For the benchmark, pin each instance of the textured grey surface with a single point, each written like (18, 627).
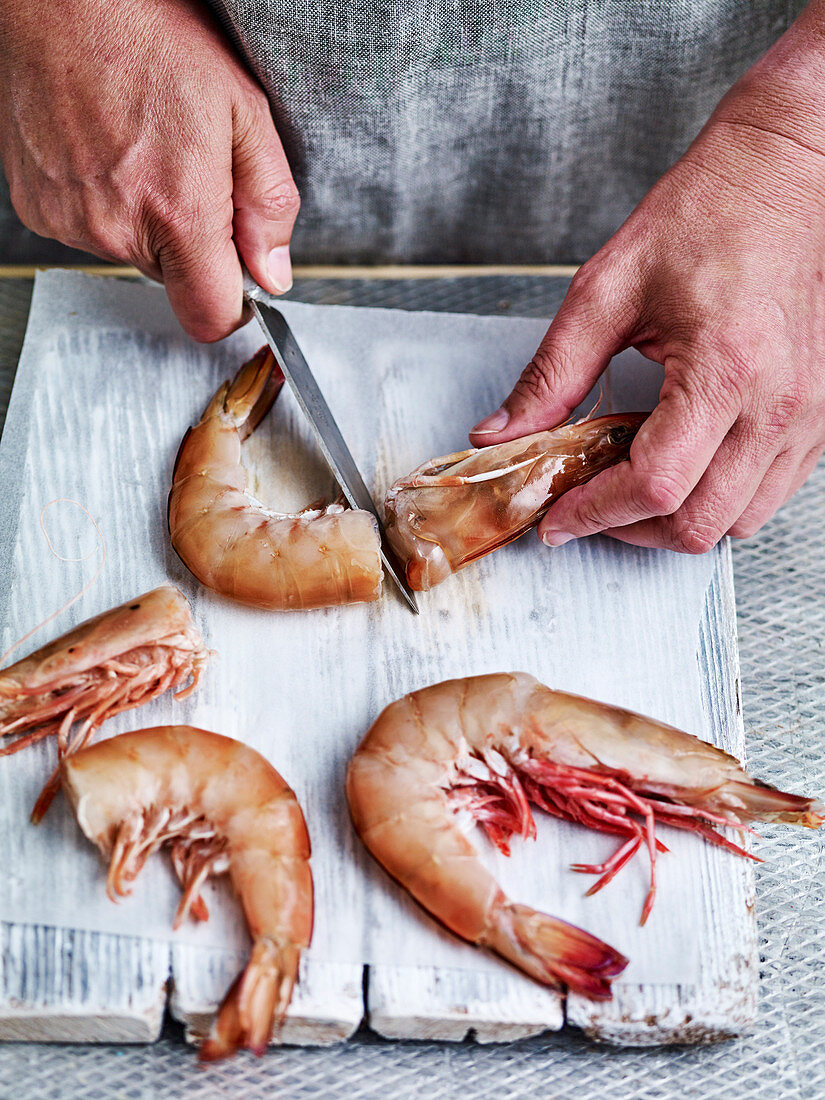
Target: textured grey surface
(781, 610)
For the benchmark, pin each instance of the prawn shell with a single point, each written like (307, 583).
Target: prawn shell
(409, 827)
(414, 838)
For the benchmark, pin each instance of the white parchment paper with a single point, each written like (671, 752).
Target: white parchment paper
(107, 385)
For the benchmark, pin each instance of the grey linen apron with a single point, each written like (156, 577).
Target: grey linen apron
(487, 131)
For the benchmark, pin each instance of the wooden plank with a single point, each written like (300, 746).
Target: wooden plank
(408, 1002)
(64, 985)
(722, 1004)
(426, 1004)
(327, 1005)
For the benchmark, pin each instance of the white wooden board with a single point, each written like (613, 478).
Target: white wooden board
(108, 440)
(57, 984)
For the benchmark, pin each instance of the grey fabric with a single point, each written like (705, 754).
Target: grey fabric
(512, 131)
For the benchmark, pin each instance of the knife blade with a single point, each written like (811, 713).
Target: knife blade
(302, 382)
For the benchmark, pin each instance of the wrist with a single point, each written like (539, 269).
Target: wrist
(784, 92)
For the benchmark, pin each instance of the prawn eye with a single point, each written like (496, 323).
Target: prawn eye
(619, 435)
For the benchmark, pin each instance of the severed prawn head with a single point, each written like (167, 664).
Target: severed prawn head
(111, 663)
(222, 809)
(495, 744)
(320, 557)
(455, 509)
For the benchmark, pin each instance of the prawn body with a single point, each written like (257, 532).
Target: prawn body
(492, 745)
(233, 544)
(457, 508)
(221, 808)
(118, 660)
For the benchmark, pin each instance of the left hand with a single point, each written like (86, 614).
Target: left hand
(718, 276)
(134, 131)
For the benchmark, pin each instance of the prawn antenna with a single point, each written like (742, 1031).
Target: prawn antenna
(100, 544)
(594, 410)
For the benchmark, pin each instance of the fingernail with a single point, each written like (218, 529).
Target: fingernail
(495, 422)
(280, 268)
(556, 538)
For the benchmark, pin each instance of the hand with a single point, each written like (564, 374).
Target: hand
(718, 276)
(133, 131)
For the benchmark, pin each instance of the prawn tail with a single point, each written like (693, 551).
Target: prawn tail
(762, 802)
(256, 1002)
(555, 952)
(252, 392)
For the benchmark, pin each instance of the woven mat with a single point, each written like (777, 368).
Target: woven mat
(780, 584)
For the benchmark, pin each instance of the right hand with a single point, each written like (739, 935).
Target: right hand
(133, 131)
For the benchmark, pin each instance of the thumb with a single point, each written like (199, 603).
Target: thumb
(592, 325)
(265, 199)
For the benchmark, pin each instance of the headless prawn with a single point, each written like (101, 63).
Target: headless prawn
(220, 807)
(233, 544)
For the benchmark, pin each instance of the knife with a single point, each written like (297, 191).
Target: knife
(296, 370)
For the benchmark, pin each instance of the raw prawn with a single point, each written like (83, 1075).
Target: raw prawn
(233, 544)
(111, 663)
(222, 808)
(455, 509)
(494, 744)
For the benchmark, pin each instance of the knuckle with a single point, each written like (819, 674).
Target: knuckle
(770, 421)
(20, 198)
(101, 235)
(533, 383)
(179, 236)
(606, 289)
(541, 377)
(31, 217)
(791, 403)
(593, 280)
(692, 536)
(660, 493)
(745, 526)
(587, 515)
(40, 209)
(585, 280)
(738, 358)
(172, 230)
(280, 201)
(254, 108)
(681, 389)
